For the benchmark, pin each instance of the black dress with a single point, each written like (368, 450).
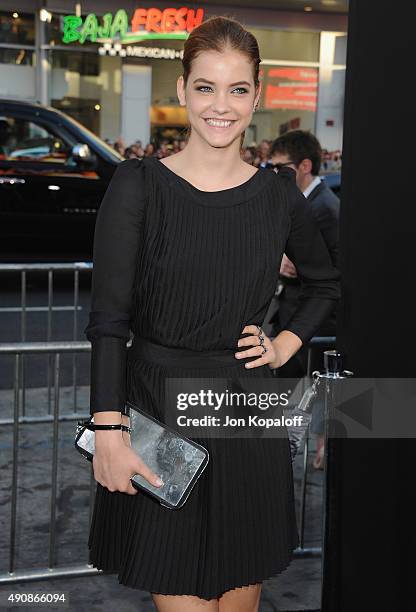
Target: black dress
(185, 270)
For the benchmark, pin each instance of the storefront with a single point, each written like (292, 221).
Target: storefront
(115, 68)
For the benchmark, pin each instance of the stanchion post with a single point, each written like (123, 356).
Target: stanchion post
(332, 374)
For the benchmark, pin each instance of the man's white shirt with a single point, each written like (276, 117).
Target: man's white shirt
(316, 181)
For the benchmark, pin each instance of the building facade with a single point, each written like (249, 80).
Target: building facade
(113, 66)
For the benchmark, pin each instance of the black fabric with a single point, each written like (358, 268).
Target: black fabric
(325, 208)
(189, 269)
(212, 272)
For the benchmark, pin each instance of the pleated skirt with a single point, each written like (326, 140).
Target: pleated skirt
(238, 526)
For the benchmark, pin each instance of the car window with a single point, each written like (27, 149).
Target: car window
(25, 140)
(100, 143)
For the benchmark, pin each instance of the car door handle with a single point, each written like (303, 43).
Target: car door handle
(10, 180)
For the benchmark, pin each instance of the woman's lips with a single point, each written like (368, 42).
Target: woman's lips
(219, 124)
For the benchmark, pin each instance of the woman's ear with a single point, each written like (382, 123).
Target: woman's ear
(180, 90)
(258, 95)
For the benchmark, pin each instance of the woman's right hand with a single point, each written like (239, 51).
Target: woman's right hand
(114, 462)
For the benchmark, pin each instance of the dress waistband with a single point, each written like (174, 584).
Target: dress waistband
(182, 357)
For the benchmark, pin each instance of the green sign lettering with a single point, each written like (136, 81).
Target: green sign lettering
(89, 29)
(71, 23)
(120, 24)
(77, 30)
(104, 31)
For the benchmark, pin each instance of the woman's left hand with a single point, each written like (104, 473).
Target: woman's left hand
(270, 357)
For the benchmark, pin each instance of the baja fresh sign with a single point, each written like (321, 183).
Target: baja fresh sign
(146, 24)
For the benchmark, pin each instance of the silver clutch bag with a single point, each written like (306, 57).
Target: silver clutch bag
(179, 461)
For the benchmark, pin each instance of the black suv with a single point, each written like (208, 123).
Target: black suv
(53, 175)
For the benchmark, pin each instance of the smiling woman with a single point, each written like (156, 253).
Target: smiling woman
(187, 252)
(220, 33)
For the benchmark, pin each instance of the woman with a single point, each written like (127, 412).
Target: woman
(186, 251)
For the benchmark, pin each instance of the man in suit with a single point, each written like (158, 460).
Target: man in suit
(301, 151)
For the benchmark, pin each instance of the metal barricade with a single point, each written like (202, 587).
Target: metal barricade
(308, 551)
(49, 268)
(54, 350)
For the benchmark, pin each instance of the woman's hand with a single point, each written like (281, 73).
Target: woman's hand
(287, 268)
(272, 356)
(114, 462)
(125, 434)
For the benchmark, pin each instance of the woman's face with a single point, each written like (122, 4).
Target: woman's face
(219, 96)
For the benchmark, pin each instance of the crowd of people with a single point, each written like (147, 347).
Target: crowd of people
(255, 154)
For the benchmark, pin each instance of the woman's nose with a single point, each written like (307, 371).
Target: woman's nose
(221, 103)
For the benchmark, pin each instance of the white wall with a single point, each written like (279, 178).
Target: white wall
(110, 114)
(331, 90)
(17, 81)
(135, 102)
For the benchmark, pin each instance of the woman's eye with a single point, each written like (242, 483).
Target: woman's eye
(206, 87)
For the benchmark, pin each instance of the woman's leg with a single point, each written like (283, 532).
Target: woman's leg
(241, 599)
(183, 603)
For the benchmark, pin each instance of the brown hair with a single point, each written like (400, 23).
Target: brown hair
(299, 145)
(216, 34)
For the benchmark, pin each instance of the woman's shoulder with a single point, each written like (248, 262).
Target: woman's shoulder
(131, 167)
(127, 187)
(131, 174)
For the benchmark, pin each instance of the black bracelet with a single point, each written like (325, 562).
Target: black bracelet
(118, 426)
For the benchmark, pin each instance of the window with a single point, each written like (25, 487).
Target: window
(19, 57)
(18, 30)
(24, 140)
(77, 62)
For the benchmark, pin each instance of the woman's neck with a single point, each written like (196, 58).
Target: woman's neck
(202, 164)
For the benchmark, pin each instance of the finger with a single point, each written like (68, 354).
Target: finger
(130, 489)
(249, 341)
(251, 329)
(257, 362)
(141, 468)
(255, 351)
(126, 438)
(258, 340)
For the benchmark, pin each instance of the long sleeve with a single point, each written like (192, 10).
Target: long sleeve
(117, 241)
(320, 286)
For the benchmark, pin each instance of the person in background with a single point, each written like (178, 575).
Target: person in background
(134, 151)
(262, 153)
(120, 145)
(248, 154)
(149, 150)
(129, 153)
(163, 150)
(137, 150)
(302, 151)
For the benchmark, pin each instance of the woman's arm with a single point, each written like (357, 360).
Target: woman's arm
(320, 286)
(117, 240)
(117, 244)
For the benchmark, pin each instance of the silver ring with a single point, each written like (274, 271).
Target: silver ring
(261, 340)
(260, 329)
(264, 350)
